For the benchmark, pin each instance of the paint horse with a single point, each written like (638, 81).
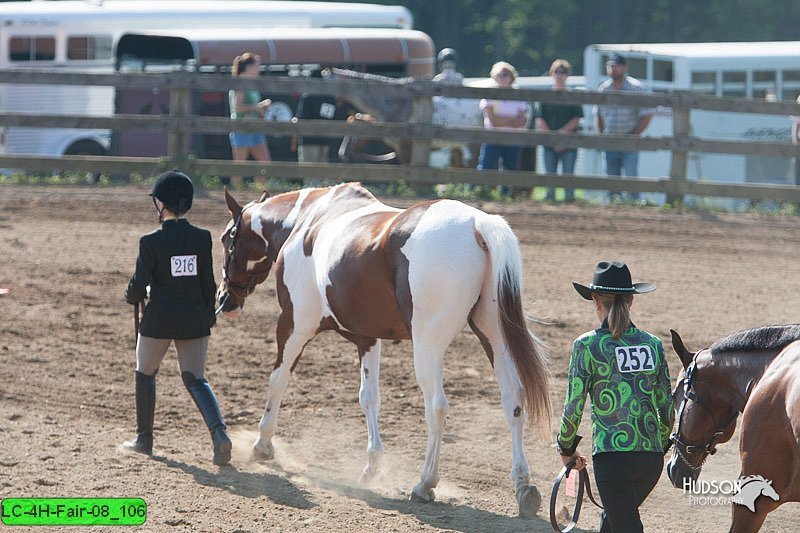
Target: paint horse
(755, 373)
(346, 262)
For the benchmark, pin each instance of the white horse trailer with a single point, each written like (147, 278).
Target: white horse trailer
(765, 70)
(81, 36)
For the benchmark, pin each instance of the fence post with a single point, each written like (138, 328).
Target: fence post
(421, 149)
(180, 107)
(680, 137)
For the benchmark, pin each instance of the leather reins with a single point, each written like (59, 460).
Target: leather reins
(583, 486)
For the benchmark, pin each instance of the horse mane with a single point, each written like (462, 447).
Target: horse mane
(757, 340)
(756, 477)
(358, 187)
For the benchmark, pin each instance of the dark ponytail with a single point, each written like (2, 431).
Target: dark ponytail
(243, 61)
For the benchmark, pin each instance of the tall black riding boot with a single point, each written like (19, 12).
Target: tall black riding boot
(145, 411)
(203, 396)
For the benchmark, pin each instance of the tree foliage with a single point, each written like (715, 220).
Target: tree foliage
(531, 33)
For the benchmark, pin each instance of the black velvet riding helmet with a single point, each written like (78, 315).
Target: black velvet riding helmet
(175, 190)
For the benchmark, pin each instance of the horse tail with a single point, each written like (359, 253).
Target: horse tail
(526, 351)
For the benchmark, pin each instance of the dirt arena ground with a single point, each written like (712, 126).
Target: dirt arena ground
(67, 361)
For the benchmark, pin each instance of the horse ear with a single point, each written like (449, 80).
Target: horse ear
(233, 206)
(264, 195)
(677, 344)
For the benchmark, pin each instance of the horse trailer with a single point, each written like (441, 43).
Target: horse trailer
(387, 52)
(81, 36)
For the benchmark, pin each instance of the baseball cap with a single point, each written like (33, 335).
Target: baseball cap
(616, 59)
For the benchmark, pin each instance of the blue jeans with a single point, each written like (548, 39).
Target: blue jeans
(551, 159)
(490, 159)
(617, 162)
(492, 153)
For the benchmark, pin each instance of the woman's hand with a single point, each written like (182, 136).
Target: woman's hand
(580, 460)
(263, 105)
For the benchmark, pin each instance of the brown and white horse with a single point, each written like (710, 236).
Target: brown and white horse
(346, 262)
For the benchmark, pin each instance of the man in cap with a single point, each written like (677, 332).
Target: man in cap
(619, 119)
(448, 62)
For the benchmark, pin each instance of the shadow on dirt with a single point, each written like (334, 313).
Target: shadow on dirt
(442, 515)
(247, 484)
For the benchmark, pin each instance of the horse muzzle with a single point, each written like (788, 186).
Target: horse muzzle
(680, 475)
(227, 305)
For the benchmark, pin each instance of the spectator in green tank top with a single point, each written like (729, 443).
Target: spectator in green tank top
(623, 370)
(559, 118)
(247, 105)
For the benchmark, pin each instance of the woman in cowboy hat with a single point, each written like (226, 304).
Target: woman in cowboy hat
(175, 262)
(624, 371)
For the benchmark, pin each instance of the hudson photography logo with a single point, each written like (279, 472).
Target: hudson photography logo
(743, 491)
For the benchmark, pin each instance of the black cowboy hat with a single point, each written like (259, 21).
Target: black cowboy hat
(612, 277)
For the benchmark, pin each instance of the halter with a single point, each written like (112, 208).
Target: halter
(246, 289)
(710, 446)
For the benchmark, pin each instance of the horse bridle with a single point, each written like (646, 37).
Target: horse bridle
(246, 289)
(676, 438)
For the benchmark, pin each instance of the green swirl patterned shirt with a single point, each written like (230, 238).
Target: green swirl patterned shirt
(628, 382)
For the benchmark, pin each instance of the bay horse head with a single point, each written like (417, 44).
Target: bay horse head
(704, 415)
(248, 255)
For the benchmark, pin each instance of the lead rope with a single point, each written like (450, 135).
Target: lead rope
(583, 486)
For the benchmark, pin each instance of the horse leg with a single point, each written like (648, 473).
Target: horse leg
(428, 367)
(444, 280)
(369, 397)
(486, 326)
(290, 346)
(745, 521)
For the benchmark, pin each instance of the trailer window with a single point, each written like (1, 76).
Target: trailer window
(764, 84)
(734, 84)
(704, 82)
(791, 84)
(32, 48)
(82, 47)
(662, 70)
(637, 67)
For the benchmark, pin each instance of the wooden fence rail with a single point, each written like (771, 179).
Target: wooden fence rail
(181, 124)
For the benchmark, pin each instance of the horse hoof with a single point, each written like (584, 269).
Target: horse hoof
(421, 495)
(529, 501)
(366, 477)
(260, 454)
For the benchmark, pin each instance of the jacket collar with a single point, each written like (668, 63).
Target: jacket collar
(604, 325)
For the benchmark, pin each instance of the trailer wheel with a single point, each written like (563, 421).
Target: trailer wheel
(87, 148)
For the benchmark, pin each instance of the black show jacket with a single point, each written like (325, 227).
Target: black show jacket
(175, 260)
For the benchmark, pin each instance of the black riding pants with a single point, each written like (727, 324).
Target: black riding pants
(624, 479)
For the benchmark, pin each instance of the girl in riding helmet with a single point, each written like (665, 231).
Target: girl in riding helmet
(175, 262)
(624, 371)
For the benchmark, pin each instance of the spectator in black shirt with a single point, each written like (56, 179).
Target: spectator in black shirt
(314, 149)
